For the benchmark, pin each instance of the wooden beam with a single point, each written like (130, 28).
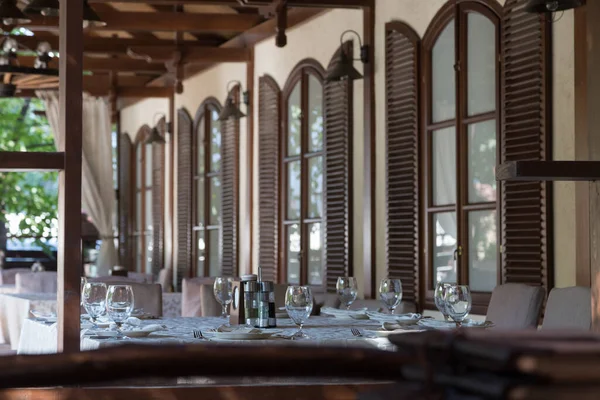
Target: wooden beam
(107, 64)
(69, 196)
(20, 161)
(549, 171)
(155, 21)
(190, 54)
(254, 3)
(144, 92)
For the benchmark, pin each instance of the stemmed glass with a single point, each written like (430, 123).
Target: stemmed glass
(439, 297)
(83, 282)
(390, 293)
(458, 303)
(119, 303)
(299, 305)
(347, 289)
(223, 291)
(93, 299)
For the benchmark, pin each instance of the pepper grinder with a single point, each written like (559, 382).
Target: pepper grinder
(266, 303)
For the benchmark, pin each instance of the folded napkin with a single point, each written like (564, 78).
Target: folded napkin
(153, 328)
(336, 312)
(129, 324)
(410, 317)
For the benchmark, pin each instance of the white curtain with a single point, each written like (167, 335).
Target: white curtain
(98, 195)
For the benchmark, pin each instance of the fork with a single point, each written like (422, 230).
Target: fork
(198, 334)
(356, 332)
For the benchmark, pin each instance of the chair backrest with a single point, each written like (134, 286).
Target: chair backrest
(569, 308)
(209, 306)
(515, 306)
(321, 300)
(112, 279)
(165, 278)
(140, 277)
(147, 296)
(280, 289)
(191, 298)
(36, 282)
(8, 276)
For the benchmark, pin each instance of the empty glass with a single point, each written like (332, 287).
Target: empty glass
(390, 293)
(299, 305)
(347, 289)
(119, 303)
(439, 297)
(458, 303)
(93, 298)
(223, 291)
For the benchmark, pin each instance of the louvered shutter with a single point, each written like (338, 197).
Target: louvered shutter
(338, 176)
(269, 112)
(125, 196)
(526, 206)
(184, 195)
(402, 132)
(229, 200)
(158, 190)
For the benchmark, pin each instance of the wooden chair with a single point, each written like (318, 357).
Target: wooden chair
(36, 282)
(192, 298)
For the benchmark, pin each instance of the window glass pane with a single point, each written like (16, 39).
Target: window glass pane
(148, 210)
(200, 202)
(200, 252)
(315, 187)
(443, 78)
(138, 211)
(200, 148)
(481, 64)
(292, 235)
(138, 166)
(215, 142)
(215, 200)
(315, 254)
(444, 244)
(483, 250)
(482, 162)
(315, 116)
(148, 165)
(148, 246)
(443, 153)
(138, 253)
(214, 263)
(293, 190)
(294, 121)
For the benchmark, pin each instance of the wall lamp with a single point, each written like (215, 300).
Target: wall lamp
(543, 6)
(155, 136)
(231, 109)
(344, 70)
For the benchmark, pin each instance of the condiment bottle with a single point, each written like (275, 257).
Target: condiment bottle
(266, 305)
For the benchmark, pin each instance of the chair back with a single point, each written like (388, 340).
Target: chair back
(569, 308)
(209, 306)
(113, 280)
(140, 277)
(280, 289)
(165, 278)
(515, 306)
(191, 298)
(8, 276)
(147, 296)
(36, 282)
(321, 300)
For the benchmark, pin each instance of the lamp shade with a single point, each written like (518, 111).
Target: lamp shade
(155, 137)
(343, 70)
(11, 14)
(230, 110)
(90, 18)
(543, 6)
(48, 8)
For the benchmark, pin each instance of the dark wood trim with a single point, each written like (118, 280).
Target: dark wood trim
(143, 133)
(69, 192)
(172, 144)
(246, 266)
(549, 171)
(256, 3)
(21, 161)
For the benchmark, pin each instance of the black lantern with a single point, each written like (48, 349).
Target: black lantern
(231, 110)
(344, 70)
(11, 14)
(543, 6)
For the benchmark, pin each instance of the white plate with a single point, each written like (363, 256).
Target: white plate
(449, 325)
(136, 334)
(104, 334)
(242, 335)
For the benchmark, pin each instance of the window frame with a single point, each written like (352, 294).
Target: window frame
(300, 74)
(457, 11)
(143, 133)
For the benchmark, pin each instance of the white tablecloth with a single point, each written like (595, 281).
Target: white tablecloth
(8, 289)
(40, 338)
(14, 309)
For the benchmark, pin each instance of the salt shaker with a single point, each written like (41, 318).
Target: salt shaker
(250, 299)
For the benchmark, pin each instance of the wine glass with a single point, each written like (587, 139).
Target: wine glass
(390, 293)
(119, 303)
(439, 297)
(347, 289)
(299, 305)
(458, 303)
(83, 282)
(223, 291)
(93, 298)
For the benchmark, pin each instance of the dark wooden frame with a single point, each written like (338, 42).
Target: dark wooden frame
(210, 104)
(300, 75)
(456, 11)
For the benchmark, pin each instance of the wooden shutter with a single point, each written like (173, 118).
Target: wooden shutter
(158, 194)
(402, 149)
(125, 197)
(184, 195)
(338, 175)
(269, 113)
(229, 200)
(526, 132)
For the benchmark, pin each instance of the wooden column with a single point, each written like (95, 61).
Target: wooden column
(247, 254)
(172, 216)
(69, 207)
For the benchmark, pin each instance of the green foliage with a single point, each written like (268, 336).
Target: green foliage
(31, 195)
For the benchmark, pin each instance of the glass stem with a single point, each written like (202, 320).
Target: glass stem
(300, 330)
(224, 312)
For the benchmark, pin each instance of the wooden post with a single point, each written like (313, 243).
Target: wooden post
(247, 266)
(69, 207)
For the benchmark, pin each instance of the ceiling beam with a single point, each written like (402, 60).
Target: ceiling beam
(106, 64)
(155, 21)
(190, 54)
(256, 3)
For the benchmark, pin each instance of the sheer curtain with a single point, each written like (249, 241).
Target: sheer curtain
(98, 195)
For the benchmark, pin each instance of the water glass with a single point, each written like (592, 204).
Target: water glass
(299, 305)
(119, 303)
(223, 291)
(458, 303)
(93, 298)
(390, 293)
(347, 289)
(439, 297)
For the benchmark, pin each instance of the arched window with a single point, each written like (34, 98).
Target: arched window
(461, 130)
(143, 226)
(302, 175)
